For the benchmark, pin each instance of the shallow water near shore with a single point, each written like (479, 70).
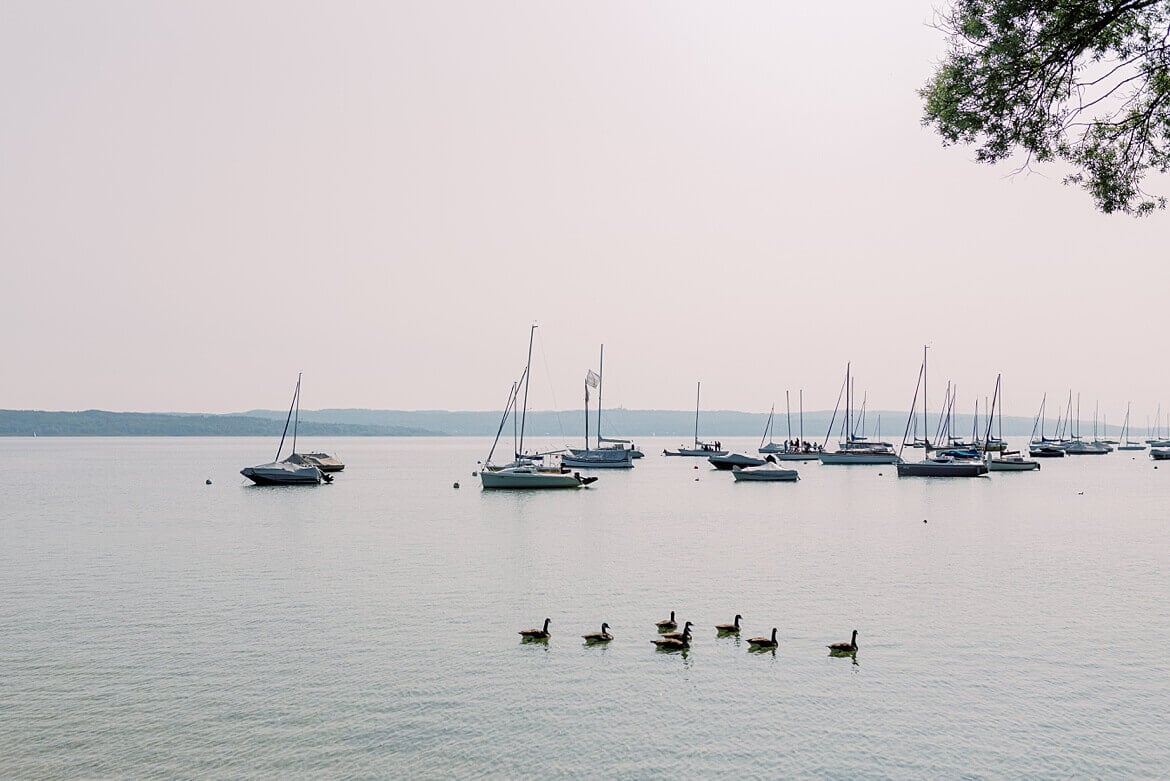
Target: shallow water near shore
(155, 626)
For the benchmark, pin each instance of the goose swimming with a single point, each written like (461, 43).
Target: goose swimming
(845, 648)
(679, 635)
(537, 634)
(764, 642)
(673, 643)
(729, 629)
(599, 637)
(667, 623)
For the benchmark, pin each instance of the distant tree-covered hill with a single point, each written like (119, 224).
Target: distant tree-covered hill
(97, 423)
(398, 423)
(633, 423)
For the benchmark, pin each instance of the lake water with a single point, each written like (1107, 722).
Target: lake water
(155, 626)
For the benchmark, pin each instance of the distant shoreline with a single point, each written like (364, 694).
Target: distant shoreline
(447, 423)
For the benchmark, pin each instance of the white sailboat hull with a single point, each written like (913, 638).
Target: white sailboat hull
(844, 457)
(1011, 465)
(606, 458)
(530, 477)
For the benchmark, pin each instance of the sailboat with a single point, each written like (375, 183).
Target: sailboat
(1008, 460)
(612, 442)
(293, 470)
(772, 446)
(1126, 443)
(854, 449)
(1043, 447)
(1079, 447)
(791, 449)
(700, 448)
(599, 457)
(526, 471)
(946, 462)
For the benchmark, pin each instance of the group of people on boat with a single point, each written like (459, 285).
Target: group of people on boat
(798, 446)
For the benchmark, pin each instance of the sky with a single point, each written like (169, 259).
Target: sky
(198, 200)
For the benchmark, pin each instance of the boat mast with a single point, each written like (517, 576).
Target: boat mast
(698, 386)
(587, 412)
(1000, 434)
(788, 412)
(802, 417)
(925, 422)
(296, 395)
(297, 417)
(848, 405)
(1043, 401)
(503, 420)
(991, 414)
(527, 373)
(768, 426)
(600, 376)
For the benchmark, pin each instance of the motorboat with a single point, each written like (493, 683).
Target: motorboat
(1160, 453)
(292, 470)
(769, 471)
(323, 461)
(1012, 462)
(283, 473)
(732, 460)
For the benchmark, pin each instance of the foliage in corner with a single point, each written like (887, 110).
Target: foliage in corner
(1086, 82)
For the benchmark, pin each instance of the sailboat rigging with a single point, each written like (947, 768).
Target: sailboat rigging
(293, 470)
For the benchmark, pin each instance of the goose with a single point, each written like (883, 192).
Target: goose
(845, 648)
(674, 643)
(729, 629)
(667, 623)
(537, 634)
(764, 642)
(599, 637)
(679, 635)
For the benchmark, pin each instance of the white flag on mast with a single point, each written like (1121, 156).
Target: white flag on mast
(592, 379)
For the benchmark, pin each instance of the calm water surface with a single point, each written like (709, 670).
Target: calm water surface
(155, 626)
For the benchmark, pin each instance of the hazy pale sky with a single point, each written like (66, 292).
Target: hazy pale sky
(200, 199)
